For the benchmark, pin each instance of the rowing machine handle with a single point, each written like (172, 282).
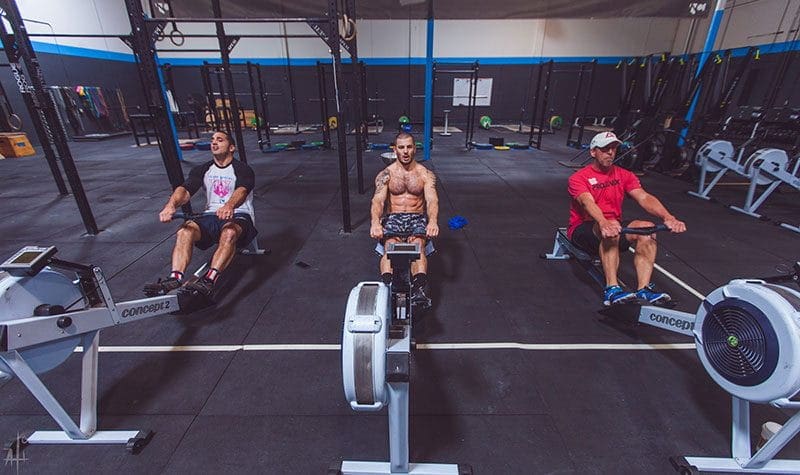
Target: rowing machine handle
(645, 231)
(182, 215)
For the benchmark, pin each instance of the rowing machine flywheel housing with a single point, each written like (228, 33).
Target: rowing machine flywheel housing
(748, 339)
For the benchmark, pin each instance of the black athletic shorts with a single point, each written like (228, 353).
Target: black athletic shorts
(211, 227)
(583, 237)
(404, 225)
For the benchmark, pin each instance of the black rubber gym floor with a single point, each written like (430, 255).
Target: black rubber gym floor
(219, 403)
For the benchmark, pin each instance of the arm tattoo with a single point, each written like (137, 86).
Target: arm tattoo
(430, 180)
(381, 180)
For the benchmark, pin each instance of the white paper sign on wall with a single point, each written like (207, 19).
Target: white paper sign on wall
(461, 92)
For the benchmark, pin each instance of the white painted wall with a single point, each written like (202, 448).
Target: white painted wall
(608, 37)
(391, 38)
(78, 16)
(468, 39)
(750, 23)
(745, 23)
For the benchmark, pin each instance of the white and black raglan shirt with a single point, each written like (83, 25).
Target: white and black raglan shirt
(220, 182)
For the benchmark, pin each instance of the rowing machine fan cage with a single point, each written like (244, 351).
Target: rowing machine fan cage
(367, 317)
(748, 339)
(711, 151)
(19, 297)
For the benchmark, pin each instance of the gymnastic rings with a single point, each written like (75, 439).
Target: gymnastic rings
(347, 28)
(176, 37)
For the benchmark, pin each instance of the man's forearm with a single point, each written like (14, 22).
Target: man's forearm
(594, 211)
(238, 198)
(376, 211)
(653, 205)
(179, 197)
(433, 211)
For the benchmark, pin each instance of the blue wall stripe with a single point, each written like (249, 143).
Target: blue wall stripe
(41, 47)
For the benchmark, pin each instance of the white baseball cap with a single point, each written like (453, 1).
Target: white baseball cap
(604, 138)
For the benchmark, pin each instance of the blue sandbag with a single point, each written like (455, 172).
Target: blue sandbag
(202, 145)
(484, 146)
(379, 146)
(457, 222)
(273, 149)
(310, 146)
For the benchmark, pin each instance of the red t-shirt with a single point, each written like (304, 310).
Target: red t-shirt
(607, 188)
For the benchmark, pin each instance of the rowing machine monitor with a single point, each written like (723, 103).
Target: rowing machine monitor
(28, 261)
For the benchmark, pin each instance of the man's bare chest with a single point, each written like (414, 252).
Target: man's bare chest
(402, 183)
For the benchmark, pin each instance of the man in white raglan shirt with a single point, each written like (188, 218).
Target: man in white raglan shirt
(227, 219)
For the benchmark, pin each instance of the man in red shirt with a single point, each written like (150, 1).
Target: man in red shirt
(595, 220)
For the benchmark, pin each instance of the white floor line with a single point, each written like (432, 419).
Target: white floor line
(427, 346)
(680, 282)
(673, 278)
(422, 346)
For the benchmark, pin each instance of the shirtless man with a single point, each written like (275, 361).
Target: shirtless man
(406, 192)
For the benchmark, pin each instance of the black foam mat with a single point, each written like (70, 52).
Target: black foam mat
(268, 410)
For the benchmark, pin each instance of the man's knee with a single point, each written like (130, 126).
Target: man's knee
(229, 234)
(188, 232)
(610, 241)
(644, 240)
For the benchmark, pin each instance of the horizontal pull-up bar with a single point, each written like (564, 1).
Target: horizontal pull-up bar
(247, 94)
(276, 35)
(79, 35)
(451, 97)
(188, 50)
(454, 71)
(216, 70)
(166, 35)
(236, 20)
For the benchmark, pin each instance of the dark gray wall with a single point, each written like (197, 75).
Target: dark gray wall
(393, 87)
(61, 70)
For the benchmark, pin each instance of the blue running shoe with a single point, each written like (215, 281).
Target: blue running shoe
(614, 294)
(648, 293)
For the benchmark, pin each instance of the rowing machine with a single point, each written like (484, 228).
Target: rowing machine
(49, 307)
(564, 249)
(747, 336)
(376, 354)
(768, 167)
